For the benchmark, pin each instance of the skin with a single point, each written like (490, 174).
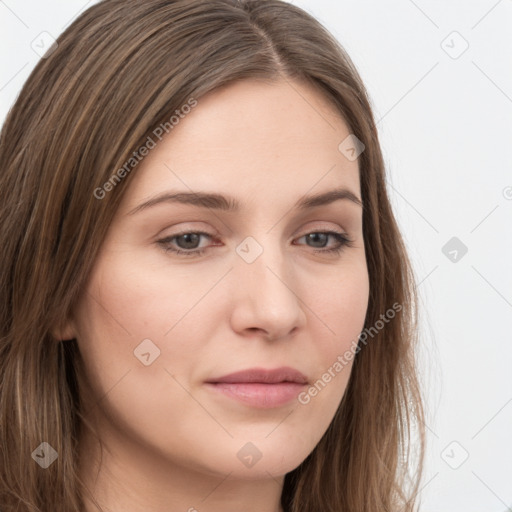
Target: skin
(171, 443)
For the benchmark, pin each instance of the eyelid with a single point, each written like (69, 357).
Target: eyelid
(216, 234)
(310, 226)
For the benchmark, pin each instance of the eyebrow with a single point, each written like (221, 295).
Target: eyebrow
(230, 204)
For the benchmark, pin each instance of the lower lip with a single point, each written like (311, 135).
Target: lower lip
(256, 394)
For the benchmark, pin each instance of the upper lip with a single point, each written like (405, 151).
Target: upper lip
(262, 375)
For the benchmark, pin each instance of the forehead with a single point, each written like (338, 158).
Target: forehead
(253, 140)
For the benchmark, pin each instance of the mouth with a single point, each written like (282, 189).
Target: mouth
(259, 387)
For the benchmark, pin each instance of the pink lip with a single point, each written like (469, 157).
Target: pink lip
(259, 387)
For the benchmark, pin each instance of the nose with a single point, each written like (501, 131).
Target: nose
(264, 297)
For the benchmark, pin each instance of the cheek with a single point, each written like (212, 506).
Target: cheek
(130, 300)
(127, 303)
(341, 304)
(341, 307)
(123, 305)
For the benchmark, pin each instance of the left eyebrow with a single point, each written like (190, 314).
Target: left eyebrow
(230, 204)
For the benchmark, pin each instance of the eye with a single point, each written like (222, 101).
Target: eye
(189, 240)
(322, 236)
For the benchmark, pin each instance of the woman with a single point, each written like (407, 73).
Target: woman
(269, 369)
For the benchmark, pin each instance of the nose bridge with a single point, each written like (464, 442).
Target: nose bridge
(264, 286)
(263, 263)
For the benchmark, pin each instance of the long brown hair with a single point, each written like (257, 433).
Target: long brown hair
(120, 70)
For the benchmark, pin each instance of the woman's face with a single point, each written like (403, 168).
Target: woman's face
(158, 330)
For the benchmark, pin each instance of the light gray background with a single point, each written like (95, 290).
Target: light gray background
(445, 123)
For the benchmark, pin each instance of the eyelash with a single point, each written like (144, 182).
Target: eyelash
(341, 238)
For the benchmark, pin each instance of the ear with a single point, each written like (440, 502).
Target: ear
(65, 331)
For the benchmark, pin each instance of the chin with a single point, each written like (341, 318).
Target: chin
(265, 456)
